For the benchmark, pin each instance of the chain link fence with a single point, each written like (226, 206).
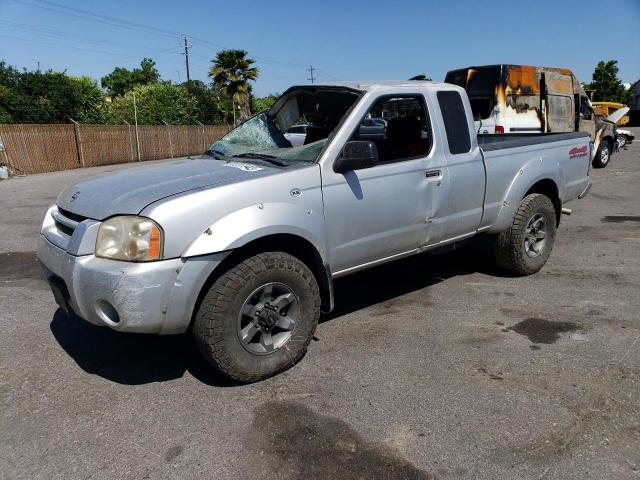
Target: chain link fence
(29, 148)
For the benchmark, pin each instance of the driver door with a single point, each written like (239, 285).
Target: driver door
(384, 211)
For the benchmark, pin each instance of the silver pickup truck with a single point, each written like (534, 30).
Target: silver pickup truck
(241, 245)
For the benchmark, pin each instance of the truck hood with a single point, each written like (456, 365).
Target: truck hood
(129, 191)
(617, 115)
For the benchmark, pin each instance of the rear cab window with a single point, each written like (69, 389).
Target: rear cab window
(455, 121)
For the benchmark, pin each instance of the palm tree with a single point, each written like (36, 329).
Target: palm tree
(232, 71)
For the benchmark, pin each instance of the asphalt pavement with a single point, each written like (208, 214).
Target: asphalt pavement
(431, 367)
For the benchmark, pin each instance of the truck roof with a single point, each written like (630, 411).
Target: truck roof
(370, 84)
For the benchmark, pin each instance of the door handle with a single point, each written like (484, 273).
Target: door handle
(432, 173)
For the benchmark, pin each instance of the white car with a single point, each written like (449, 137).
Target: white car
(624, 137)
(296, 135)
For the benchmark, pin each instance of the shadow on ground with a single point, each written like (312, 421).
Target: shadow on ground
(394, 279)
(133, 359)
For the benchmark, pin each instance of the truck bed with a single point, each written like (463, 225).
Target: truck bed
(490, 142)
(513, 161)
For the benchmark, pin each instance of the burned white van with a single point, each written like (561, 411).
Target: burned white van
(523, 99)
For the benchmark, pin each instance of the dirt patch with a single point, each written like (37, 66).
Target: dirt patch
(601, 415)
(19, 266)
(539, 330)
(620, 218)
(581, 275)
(492, 376)
(390, 307)
(304, 444)
(173, 453)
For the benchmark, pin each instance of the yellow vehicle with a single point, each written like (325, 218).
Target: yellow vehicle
(605, 109)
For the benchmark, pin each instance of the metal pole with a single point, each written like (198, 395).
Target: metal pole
(6, 155)
(170, 144)
(233, 104)
(204, 140)
(76, 130)
(135, 117)
(129, 138)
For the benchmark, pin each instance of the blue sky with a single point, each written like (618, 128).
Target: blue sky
(344, 40)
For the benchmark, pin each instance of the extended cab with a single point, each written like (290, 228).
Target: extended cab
(241, 245)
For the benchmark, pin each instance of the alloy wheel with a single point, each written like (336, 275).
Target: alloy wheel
(267, 318)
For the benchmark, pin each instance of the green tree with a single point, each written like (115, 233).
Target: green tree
(49, 97)
(606, 85)
(122, 80)
(91, 106)
(263, 103)
(214, 107)
(157, 103)
(233, 71)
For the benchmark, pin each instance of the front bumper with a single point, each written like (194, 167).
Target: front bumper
(152, 297)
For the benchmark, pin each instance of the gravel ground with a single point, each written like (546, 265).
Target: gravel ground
(432, 367)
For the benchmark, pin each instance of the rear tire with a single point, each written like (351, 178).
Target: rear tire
(526, 245)
(258, 318)
(603, 155)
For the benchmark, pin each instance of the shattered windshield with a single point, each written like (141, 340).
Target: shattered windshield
(255, 135)
(266, 136)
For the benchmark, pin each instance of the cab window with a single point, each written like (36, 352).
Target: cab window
(398, 126)
(585, 109)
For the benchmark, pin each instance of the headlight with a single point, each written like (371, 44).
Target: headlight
(130, 238)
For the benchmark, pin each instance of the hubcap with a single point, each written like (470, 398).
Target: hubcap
(267, 318)
(604, 155)
(535, 235)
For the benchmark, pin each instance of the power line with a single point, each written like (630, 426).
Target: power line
(59, 34)
(135, 26)
(68, 46)
(87, 15)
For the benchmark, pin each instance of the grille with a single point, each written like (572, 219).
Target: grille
(66, 221)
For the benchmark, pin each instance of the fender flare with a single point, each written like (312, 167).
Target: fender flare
(254, 223)
(251, 223)
(519, 186)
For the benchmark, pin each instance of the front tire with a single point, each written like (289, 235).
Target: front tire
(603, 155)
(622, 141)
(258, 318)
(526, 245)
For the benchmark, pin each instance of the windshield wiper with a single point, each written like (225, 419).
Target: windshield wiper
(215, 154)
(263, 156)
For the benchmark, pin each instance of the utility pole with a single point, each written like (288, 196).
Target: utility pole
(186, 56)
(311, 77)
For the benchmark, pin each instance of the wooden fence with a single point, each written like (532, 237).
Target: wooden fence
(31, 148)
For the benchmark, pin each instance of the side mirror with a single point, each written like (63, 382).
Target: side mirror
(356, 155)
